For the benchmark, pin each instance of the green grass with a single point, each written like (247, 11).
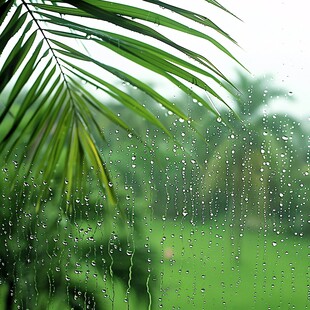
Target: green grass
(198, 269)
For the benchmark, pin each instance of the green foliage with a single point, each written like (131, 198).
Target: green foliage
(263, 160)
(95, 256)
(50, 116)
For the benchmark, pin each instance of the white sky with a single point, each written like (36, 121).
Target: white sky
(274, 39)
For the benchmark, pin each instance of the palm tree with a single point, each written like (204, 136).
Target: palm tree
(56, 97)
(258, 158)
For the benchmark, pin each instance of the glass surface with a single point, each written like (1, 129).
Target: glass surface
(215, 216)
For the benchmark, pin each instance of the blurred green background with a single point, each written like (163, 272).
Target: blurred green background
(217, 220)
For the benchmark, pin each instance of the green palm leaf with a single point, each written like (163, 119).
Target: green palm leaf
(51, 117)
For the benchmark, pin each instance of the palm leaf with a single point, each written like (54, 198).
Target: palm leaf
(46, 109)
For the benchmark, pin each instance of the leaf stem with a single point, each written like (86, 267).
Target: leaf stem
(51, 49)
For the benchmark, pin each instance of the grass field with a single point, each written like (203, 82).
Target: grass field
(198, 269)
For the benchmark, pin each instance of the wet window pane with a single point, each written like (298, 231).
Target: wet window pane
(130, 190)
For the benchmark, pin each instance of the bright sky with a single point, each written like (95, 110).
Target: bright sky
(274, 39)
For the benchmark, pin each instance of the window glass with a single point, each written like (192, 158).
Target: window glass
(212, 211)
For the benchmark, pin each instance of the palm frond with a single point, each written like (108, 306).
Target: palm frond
(50, 116)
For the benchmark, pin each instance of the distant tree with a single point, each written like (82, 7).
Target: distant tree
(255, 168)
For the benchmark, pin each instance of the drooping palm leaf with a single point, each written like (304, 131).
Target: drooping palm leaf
(48, 112)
